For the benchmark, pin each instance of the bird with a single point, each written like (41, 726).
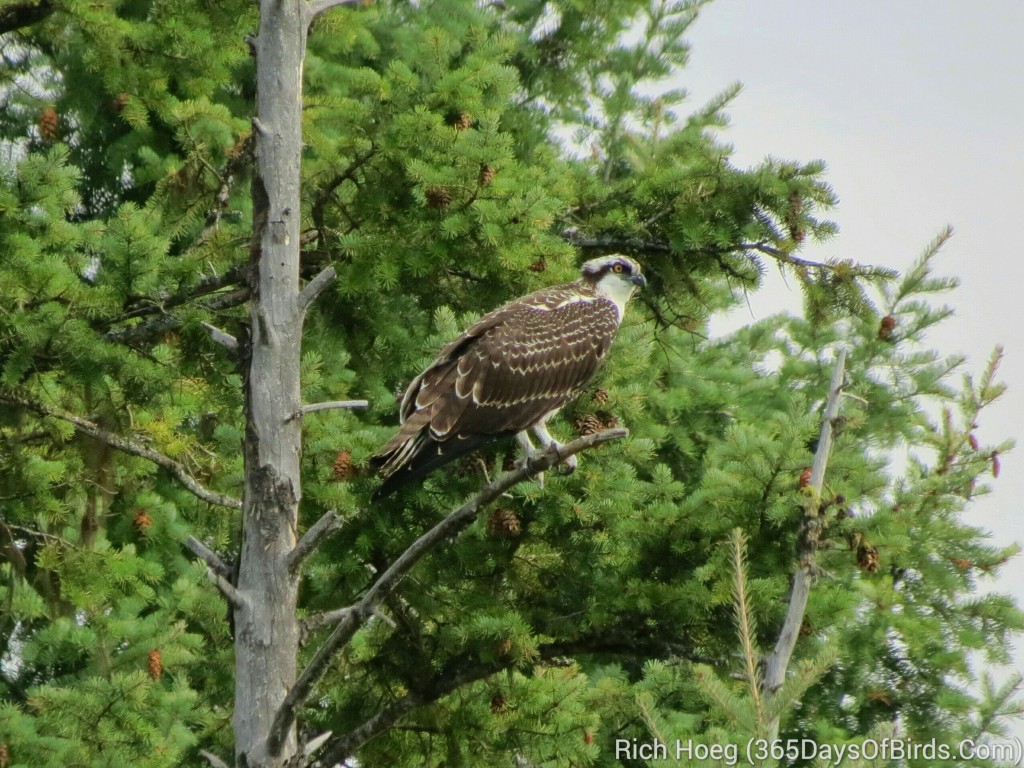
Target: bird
(510, 373)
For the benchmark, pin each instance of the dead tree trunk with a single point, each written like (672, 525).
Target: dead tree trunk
(266, 627)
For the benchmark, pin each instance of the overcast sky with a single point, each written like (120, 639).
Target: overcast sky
(918, 109)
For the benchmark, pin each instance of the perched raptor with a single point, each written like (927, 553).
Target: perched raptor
(510, 372)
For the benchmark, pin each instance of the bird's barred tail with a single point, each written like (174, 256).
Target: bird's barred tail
(419, 455)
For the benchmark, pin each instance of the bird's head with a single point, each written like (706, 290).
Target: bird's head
(615, 276)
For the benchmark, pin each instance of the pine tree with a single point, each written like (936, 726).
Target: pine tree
(136, 200)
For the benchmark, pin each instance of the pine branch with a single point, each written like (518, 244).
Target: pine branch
(458, 675)
(465, 672)
(745, 620)
(807, 543)
(126, 445)
(165, 323)
(610, 243)
(455, 522)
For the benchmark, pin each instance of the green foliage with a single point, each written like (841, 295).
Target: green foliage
(605, 605)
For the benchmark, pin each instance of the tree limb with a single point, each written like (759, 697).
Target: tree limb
(316, 7)
(164, 323)
(18, 15)
(457, 676)
(315, 621)
(223, 338)
(807, 540)
(450, 526)
(208, 556)
(212, 759)
(226, 588)
(464, 672)
(331, 405)
(315, 287)
(129, 446)
(608, 242)
(325, 526)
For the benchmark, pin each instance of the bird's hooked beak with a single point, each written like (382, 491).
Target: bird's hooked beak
(638, 280)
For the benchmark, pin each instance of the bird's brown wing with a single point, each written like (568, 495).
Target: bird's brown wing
(503, 375)
(520, 370)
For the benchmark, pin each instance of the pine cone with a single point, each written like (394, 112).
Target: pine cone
(588, 738)
(498, 703)
(503, 523)
(142, 520)
(539, 265)
(48, 123)
(156, 664)
(601, 396)
(588, 424)
(867, 557)
(608, 420)
(805, 478)
(486, 175)
(5, 756)
(342, 466)
(886, 327)
(463, 121)
(995, 463)
(438, 197)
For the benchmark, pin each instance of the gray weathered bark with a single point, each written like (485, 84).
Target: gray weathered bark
(777, 663)
(266, 628)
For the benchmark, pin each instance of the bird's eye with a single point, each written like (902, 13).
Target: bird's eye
(617, 268)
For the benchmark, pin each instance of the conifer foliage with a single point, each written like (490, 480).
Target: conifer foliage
(208, 264)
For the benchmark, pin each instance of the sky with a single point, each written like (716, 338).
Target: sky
(918, 109)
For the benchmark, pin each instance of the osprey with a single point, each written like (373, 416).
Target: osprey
(510, 372)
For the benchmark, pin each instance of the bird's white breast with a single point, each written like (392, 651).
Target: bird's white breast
(613, 287)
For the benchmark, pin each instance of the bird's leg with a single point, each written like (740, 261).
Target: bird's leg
(540, 429)
(529, 452)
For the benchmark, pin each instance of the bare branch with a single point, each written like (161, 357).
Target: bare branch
(128, 446)
(208, 556)
(315, 743)
(214, 761)
(807, 540)
(334, 404)
(315, 621)
(331, 405)
(226, 588)
(459, 676)
(325, 526)
(221, 337)
(358, 613)
(166, 322)
(607, 242)
(315, 287)
(316, 7)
